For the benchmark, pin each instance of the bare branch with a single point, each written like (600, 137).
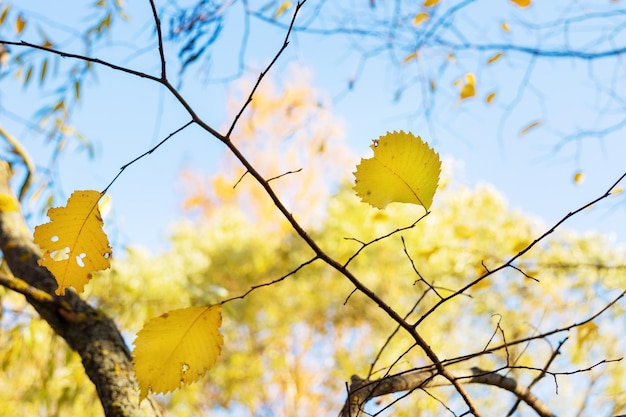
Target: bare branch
(270, 283)
(521, 253)
(511, 385)
(157, 25)
(362, 390)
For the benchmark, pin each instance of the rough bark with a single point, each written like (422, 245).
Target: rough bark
(88, 331)
(363, 390)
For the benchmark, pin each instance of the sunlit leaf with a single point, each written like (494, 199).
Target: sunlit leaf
(73, 242)
(286, 5)
(20, 23)
(617, 190)
(584, 336)
(468, 90)
(420, 18)
(4, 13)
(430, 3)
(505, 27)
(522, 3)
(410, 57)
(403, 169)
(529, 127)
(8, 203)
(490, 97)
(177, 348)
(578, 178)
(44, 68)
(47, 43)
(495, 58)
(29, 73)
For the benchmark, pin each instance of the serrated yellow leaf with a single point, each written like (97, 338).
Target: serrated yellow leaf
(20, 23)
(286, 5)
(529, 127)
(490, 97)
(522, 3)
(578, 178)
(73, 242)
(505, 27)
(495, 58)
(430, 3)
(420, 18)
(403, 169)
(177, 348)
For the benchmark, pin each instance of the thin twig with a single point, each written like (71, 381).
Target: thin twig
(282, 175)
(270, 283)
(157, 25)
(521, 253)
(126, 165)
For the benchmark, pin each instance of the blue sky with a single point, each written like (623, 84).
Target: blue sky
(124, 116)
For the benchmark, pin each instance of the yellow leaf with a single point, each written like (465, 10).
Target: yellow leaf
(420, 18)
(403, 169)
(410, 57)
(495, 58)
(73, 242)
(177, 348)
(286, 5)
(44, 68)
(20, 23)
(505, 27)
(585, 335)
(522, 3)
(8, 203)
(468, 90)
(430, 3)
(529, 127)
(490, 97)
(578, 178)
(618, 190)
(5, 11)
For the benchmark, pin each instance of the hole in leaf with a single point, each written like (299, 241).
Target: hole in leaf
(54, 238)
(184, 368)
(60, 255)
(79, 260)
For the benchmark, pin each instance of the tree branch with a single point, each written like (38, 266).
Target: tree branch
(363, 390)
(88, 331)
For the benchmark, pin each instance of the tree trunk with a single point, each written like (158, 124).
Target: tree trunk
(88, 331)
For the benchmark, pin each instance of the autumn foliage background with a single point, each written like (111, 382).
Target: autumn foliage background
(290, 347)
